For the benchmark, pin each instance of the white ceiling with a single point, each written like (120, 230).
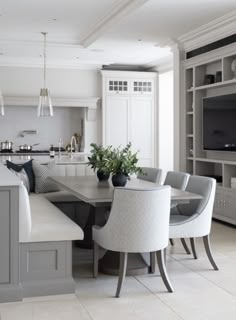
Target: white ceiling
(85, 33)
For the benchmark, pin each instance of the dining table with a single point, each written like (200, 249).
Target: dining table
(99, 195)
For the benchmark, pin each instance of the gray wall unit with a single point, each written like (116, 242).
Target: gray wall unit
(10, 289)
(45, 268)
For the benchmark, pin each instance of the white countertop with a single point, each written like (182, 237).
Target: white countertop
(78, 158)
(7, 178)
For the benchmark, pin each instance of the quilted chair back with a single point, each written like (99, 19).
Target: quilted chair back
(176, 179)
(200, 209)
(151, 174)
(139, 220)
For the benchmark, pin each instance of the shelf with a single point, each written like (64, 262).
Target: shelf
(190, 158)
(214, 85)
(190, 113)
(216, 161)
(190, 135)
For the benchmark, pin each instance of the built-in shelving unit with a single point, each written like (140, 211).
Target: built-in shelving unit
(221, 165)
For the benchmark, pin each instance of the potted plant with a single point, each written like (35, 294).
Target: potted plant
(123, 163)
(99, 160)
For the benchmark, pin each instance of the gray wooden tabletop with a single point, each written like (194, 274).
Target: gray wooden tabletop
(90, 190)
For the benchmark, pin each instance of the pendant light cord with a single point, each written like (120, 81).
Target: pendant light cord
(45, 57)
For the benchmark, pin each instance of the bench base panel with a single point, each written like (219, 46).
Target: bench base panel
(46, 268)
(10, 293)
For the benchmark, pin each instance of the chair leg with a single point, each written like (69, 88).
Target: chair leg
(193, 247)
(152, 262)
(206, 241)
(95, 259)
(185, 246)
(162, 268)
(172, 242)
(122, 272)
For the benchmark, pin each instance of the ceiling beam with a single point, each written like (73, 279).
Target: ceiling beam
(112, 17)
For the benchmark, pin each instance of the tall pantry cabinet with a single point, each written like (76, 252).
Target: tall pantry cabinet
(129, 112)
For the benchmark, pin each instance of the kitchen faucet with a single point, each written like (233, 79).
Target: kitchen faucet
(71, 143)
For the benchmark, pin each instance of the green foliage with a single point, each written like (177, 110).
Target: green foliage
(99, 158)
(123, 161)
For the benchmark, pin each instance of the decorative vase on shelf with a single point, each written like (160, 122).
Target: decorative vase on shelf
(119, 180)
(233, 68)
(103, 176)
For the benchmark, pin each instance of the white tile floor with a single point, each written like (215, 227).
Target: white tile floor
(200, 292)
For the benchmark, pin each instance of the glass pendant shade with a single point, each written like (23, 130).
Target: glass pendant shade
(45, 104)
(2, 110)
(45, 108)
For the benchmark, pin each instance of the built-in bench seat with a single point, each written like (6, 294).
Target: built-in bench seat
(45, 236)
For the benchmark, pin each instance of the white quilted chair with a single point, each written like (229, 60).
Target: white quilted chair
(177, 180)
(151, 174)
(194, 218)
(138, 222)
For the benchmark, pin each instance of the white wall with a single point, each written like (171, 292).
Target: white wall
(64, 124)
(61, 82)
(17, 81)
(165, 121)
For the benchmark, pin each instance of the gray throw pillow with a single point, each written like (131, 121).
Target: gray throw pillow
(23, 177)
(42, 172)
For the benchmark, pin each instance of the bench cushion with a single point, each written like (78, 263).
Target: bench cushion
(49, 223)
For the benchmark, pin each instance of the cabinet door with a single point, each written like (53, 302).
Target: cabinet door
(230, 204)
(142, 128)
(116, 121)
(218, 204)
(117, 86)
(142, 87)
(5, 237)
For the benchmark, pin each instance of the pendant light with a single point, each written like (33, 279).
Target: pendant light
(45, 103)
(2, 111)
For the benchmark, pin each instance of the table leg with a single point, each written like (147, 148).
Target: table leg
(97, 215)
(87, 242)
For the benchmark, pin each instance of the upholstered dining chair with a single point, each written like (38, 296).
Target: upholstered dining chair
(194, 219)
(177, 180)
(151, 174)
(138, 222)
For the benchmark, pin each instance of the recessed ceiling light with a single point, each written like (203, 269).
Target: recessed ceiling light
(77, 57)
(140, 40)
(54, 19)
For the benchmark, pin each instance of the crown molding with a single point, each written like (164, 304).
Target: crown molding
(210, 32)
(31, 63)
(76, 102)
(161, 65)
(114, 15)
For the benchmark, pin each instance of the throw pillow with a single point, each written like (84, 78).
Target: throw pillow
(27, 166)
(42, 183)
(23, 177)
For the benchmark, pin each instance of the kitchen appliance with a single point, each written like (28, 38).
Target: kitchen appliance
(6, 146)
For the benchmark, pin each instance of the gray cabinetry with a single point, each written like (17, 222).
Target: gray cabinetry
(9, 246)
(4, 237)
(225, 205)
(193, 158)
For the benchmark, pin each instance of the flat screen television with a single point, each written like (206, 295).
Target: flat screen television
(219, 123)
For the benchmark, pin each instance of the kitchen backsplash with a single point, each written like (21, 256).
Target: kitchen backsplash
(64, 124)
